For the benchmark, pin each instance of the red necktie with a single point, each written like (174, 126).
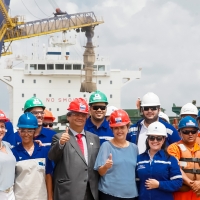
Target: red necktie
(80, 142)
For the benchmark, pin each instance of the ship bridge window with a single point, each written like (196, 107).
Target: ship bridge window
(101, 67)
(41, 66)
(33, 67)
(68, 66)
(60, 66)
(76, 67)
(95, 67)
(50, 67)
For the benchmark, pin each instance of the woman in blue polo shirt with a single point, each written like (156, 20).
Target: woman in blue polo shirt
(33, 179)
(158, 172)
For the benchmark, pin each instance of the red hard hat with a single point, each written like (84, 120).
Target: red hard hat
(79, 105)
(119, 118)
(48, 115)
(3, 116)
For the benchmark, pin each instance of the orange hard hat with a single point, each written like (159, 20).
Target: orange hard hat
(48, 115)
(119, 118)
(78, 105)
(3, 116)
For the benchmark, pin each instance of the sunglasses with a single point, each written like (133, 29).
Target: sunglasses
(47, 124)
(146, 108)
(187, 132)
(98, 107)
(158, 138)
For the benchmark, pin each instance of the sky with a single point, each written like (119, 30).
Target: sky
(160, 36)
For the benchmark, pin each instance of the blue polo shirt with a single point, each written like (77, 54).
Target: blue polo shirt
(45, 137)
(104, 132)
(10, 135)
(39, 152)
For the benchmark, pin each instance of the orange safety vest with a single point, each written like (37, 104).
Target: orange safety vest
(189, 162)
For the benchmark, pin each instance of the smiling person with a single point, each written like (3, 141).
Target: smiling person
(159, 173)
(116, 162)
(36, 107)
(7, 164)
(33, 169)
(187, 152)
(97, 122)
(48, 119)
(150, 109)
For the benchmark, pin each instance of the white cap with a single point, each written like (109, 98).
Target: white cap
(110, 109)
(164, 116)
(157, 128)
(189, 109)
(150, 99)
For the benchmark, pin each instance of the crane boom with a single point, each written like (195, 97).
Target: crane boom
(50, 25)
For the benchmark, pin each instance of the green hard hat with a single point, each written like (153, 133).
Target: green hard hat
(33, 102)
(98, 96)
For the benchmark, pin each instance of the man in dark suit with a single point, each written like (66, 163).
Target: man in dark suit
(74, 153)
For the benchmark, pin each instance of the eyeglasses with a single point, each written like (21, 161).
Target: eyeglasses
(146, 108)
(187, 132)
(47, 124)
(98, 107)
(37, 112)
(158, 138)
(78, 114)
(29, 132)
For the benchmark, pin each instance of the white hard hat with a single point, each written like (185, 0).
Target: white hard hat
(157, 128)
(189, 109)
(164, 116)
(110, 109)
(150, 99)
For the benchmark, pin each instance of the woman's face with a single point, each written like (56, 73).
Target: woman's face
(26, 134)
(120, 132)
(155, 142)
(2, 130)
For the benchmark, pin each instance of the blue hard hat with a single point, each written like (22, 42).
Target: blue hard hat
(198, 116)
(188, 121)
(27, 120)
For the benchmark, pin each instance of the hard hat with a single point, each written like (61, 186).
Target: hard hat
(79, 105)
(157, 128)
(164, 116)
(187, 121)
(150, 99)
(27, 120)
(189, 109)
(110, 109)
(97, 97)
(33, 102)
(48, 115)
(119, 118)
(3, 116)
(198, 116)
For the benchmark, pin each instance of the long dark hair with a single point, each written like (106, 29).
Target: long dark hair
(163, 147)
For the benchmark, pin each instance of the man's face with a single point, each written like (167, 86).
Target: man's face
(47, 123)
(150, 113)
(39, 113)
(77, 119)
(98, 111)
(188, 135)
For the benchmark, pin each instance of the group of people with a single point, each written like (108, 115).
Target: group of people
(100, 155)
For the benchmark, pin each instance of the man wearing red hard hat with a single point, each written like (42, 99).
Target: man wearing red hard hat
(74, 153)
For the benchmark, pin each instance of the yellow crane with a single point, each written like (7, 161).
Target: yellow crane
(12, 29)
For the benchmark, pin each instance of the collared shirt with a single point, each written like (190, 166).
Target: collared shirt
(104, 132)
(84, 142)
(45, 137)
(142, 138)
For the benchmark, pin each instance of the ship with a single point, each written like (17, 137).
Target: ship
(55, 78)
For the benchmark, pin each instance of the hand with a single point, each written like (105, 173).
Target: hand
(64, 137)
(195, 185)
(151, 184)
(39, 142)
(109, 162)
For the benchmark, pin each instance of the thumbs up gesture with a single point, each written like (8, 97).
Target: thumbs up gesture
(109, 162)
(64, 137)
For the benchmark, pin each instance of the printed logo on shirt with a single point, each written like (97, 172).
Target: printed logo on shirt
(82, 107)
(20, 158)
(41, 163)
(141, 167)
(190, 123)
(118, 119)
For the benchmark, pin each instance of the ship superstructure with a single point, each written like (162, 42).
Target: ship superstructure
(56, 79)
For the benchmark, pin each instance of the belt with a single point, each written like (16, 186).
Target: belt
(8, 190)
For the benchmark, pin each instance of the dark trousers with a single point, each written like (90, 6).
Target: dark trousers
(88, 193)
(103, 196)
